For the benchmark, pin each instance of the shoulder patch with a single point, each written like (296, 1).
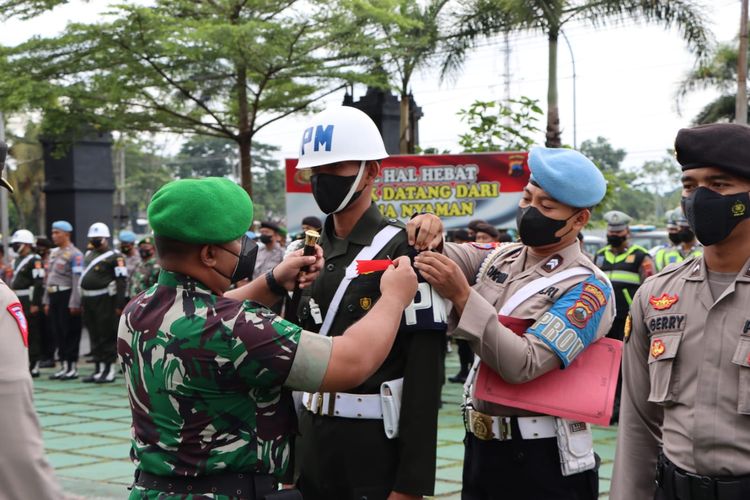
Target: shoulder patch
(16, 310)
(628, 328)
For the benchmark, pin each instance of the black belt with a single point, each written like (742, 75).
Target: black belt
(247, 486)
(679, 484)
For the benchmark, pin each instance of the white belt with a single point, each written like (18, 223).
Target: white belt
(344, 405)
(487, 427)
(94, 293)
(23, 293)
(56, 288)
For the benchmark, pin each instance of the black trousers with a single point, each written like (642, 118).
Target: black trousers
(66, 327)
(520, 469)
(102, 321)
(465, 356)
(47, 335)
(35, 337)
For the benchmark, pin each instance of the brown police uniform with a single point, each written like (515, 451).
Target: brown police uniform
(533, 465)
(24, 471)
(686, 389)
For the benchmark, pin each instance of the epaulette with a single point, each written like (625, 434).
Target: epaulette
(395, 222)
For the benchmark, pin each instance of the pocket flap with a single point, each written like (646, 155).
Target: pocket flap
(742, 353)
(664, 346)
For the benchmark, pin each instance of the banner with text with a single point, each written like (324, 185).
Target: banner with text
(457, 188)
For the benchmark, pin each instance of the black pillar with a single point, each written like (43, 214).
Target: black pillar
(79, 183)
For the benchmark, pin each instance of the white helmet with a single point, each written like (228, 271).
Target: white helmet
(341, 133)
(98, 230)
(23, 236)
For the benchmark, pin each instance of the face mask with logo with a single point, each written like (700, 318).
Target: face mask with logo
(713, 216)
(144, 253)
(536, 229)
(333, 193)
(245, 261)
(126, 248)
(615, 240)
(265, 238)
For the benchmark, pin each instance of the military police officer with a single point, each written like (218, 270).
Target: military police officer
(685, 417)
(28, 284)
(147, 271)
(553, 302)
(349, 446)
(103, 283)
(132, 257)
(208, 371)
(62, 300)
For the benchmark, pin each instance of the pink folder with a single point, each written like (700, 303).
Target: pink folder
(583, 391)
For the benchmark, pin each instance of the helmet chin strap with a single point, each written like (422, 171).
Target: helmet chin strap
(352, 189)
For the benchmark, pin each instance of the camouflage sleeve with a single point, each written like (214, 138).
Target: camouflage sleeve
(310, 363)
(265, 346)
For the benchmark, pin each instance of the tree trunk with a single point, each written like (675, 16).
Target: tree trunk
(245, 136)
(553, 111)
(741, 100)
(405, 146)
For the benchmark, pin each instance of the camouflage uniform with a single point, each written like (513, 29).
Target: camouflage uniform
(145, 275)
(178, 344)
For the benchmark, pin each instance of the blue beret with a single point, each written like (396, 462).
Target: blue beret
(127, 236)
(567, 176)
(62, 225)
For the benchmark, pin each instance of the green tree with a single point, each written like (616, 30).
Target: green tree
(220, 68)
(500, 126)
(717, 72)
(603, 154)
(400, 37)
(26, 175)
(487, 17)
(146, 170)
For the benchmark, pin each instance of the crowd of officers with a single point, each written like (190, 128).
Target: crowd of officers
(63, 289)
(210, 369)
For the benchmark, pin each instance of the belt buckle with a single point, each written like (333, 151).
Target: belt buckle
(481, 425)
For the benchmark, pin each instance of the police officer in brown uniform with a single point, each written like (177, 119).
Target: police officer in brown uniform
(528, 309)
(685, 414)
(24, 471)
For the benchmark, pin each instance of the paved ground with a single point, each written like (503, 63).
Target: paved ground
(87, 428)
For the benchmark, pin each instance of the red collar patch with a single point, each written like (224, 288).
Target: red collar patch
(664, 302)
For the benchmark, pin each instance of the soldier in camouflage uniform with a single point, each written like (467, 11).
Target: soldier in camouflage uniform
(147, 271)
(103, 283)
(28, 283)
(208, 370)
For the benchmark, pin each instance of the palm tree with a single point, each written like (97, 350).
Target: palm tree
(719, 72)
(488, 17)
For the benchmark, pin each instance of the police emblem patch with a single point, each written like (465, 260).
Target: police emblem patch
(365, 303)
(591, 300)
(630, 259)
(664, 302)
(16, 310)
(738, 209)
(657, 348)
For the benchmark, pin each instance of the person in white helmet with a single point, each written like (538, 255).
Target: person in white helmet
(28, 283)
(103, 287)
(355, 445)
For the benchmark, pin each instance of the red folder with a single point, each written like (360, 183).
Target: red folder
(583, 391)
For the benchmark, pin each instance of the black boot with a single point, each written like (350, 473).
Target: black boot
(98, 367)
(58, 374)
(34, 369)
(108, 374)
(72, 372)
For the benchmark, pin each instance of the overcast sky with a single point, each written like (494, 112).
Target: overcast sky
(626, 77)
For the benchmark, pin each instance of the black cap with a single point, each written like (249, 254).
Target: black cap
(721, 145)
(312, 221)
(270, 225)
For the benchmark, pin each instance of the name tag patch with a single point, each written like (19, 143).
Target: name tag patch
(496, 275)
(666, 323)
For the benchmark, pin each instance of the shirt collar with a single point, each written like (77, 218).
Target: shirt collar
(174, 279)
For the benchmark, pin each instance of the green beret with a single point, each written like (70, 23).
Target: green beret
(210, 210)
(146, 240)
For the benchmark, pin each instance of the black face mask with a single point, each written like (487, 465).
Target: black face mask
(615, 240)
(714, 216)
(265, 238)
(536, 229)
(96, 242)
(245, 261)
(686, 235)
(16, 247)
(674, 238)
(126, 248)
(145, 254)
(333, 193)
